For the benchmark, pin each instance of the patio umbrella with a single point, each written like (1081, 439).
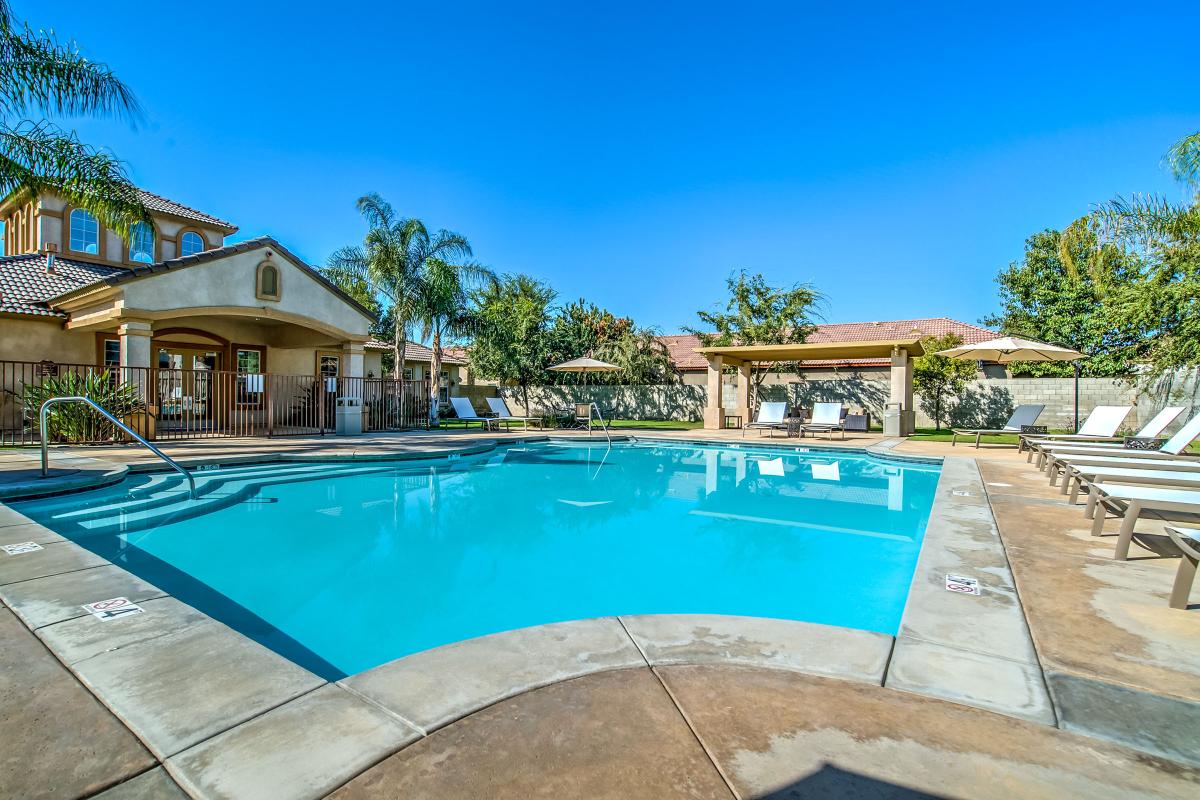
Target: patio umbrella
(1007, 349)
(584, 365)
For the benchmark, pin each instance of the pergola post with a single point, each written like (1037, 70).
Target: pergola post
(743, 390)
(902, 393)
(714, 415)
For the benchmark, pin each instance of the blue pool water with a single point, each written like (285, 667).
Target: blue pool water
(344, 566)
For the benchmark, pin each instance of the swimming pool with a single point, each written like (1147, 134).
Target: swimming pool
(343, 566)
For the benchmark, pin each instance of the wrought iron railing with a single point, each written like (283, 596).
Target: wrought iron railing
(166, 404)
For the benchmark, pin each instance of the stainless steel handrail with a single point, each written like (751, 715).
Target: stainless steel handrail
(46, 438)
(603, 424)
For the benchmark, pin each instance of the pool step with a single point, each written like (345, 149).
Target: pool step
(172, 503)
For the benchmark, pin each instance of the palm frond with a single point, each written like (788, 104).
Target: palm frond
(39, 72)
(1184, 160)
(39, 157)
(377, 211)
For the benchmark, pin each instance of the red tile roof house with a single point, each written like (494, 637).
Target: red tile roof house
(861, 383)
(197, 322)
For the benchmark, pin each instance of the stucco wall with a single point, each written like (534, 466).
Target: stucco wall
(35, 340)
(231, 283)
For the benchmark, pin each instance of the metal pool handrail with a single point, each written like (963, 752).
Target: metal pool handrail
(46, 438)
(603, 424)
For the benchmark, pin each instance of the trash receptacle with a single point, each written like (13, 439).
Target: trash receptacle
(893, 415)
(348, 416)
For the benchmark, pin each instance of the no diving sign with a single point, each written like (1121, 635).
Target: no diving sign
(962, 585)
(105, 610)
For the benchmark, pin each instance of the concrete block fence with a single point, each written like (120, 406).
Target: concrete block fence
(987, 402)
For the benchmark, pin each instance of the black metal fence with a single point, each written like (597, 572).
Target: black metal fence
(169, 404)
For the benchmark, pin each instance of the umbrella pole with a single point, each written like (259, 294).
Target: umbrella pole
(1078, 368)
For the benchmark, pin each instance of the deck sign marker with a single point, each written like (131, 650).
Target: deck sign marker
(962, 585)
(20, 547)
(961, 493)
(104, 610)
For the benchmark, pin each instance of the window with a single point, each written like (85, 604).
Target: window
(329, 367)
(85, 232)
(268, 281)
(112, 353)
(141, 246)
(444, 387)
(190, 243)
(408, 373)
(250, 379)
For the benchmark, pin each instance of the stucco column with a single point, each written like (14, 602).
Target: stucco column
(349, 419)
(743, 391)
(902, 391)
(136, 356)
(714, 416)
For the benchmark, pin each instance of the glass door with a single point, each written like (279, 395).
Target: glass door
(186, 384)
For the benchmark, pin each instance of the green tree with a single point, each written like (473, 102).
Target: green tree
(1160, 295)
(392, 261)
(42, 77)
(580, 330)
(1042, 298)
(641, 358)
(441, 305)
(758, 313)
(512, 341)
(938, 379)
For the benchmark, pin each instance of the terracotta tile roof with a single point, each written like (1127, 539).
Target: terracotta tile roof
(682, 347)
(25, 284)
(415, 351)
(162, 205)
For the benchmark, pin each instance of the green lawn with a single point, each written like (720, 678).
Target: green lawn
(653, 425)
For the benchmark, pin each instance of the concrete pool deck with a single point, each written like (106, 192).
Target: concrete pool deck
(964, 702)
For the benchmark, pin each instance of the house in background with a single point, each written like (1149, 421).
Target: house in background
(418, 366)
(177, 307)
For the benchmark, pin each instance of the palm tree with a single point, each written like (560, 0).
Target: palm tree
(441, 304)
(41, 77)
(392, 260)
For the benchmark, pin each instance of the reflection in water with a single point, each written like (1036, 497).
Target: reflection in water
(349, 572)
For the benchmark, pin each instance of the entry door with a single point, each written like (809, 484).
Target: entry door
(186, 382)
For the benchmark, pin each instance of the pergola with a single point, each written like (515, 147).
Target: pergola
(743, 358)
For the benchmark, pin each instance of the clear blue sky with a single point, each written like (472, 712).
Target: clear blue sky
(894, 156)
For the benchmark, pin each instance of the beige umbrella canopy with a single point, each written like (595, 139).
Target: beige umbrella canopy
(584, 365)
(1011, 348)
(1007, 349)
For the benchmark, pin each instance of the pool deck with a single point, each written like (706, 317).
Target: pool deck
(1068, 676)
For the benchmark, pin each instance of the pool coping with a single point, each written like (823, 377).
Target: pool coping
(937, 652)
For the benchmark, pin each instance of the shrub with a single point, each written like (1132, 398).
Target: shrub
(76, 422)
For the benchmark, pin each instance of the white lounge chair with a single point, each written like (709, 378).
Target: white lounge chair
(770, 416)
(1100, 425)
(466, 413)
(1150, 430)
(1023, 415)
(1168, 476)
(1188, 542)
(827, 418)
(1131, 501)
(499, 407)
(1060, 460)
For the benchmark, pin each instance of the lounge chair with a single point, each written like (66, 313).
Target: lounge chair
(1167, 476)
(499, 407)
(1131, 501)
(466, 413)
(827, 418)
(1188, 542)
(1062, 460)
(770, 417)
(1150, 430)
(1100, 425)
(1023, 415)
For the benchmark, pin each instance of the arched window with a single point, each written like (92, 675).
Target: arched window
(268, 281)
(190, 243)
(141, 245)
(85, 232)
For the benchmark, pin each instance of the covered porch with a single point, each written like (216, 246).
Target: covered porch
(742, 360)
